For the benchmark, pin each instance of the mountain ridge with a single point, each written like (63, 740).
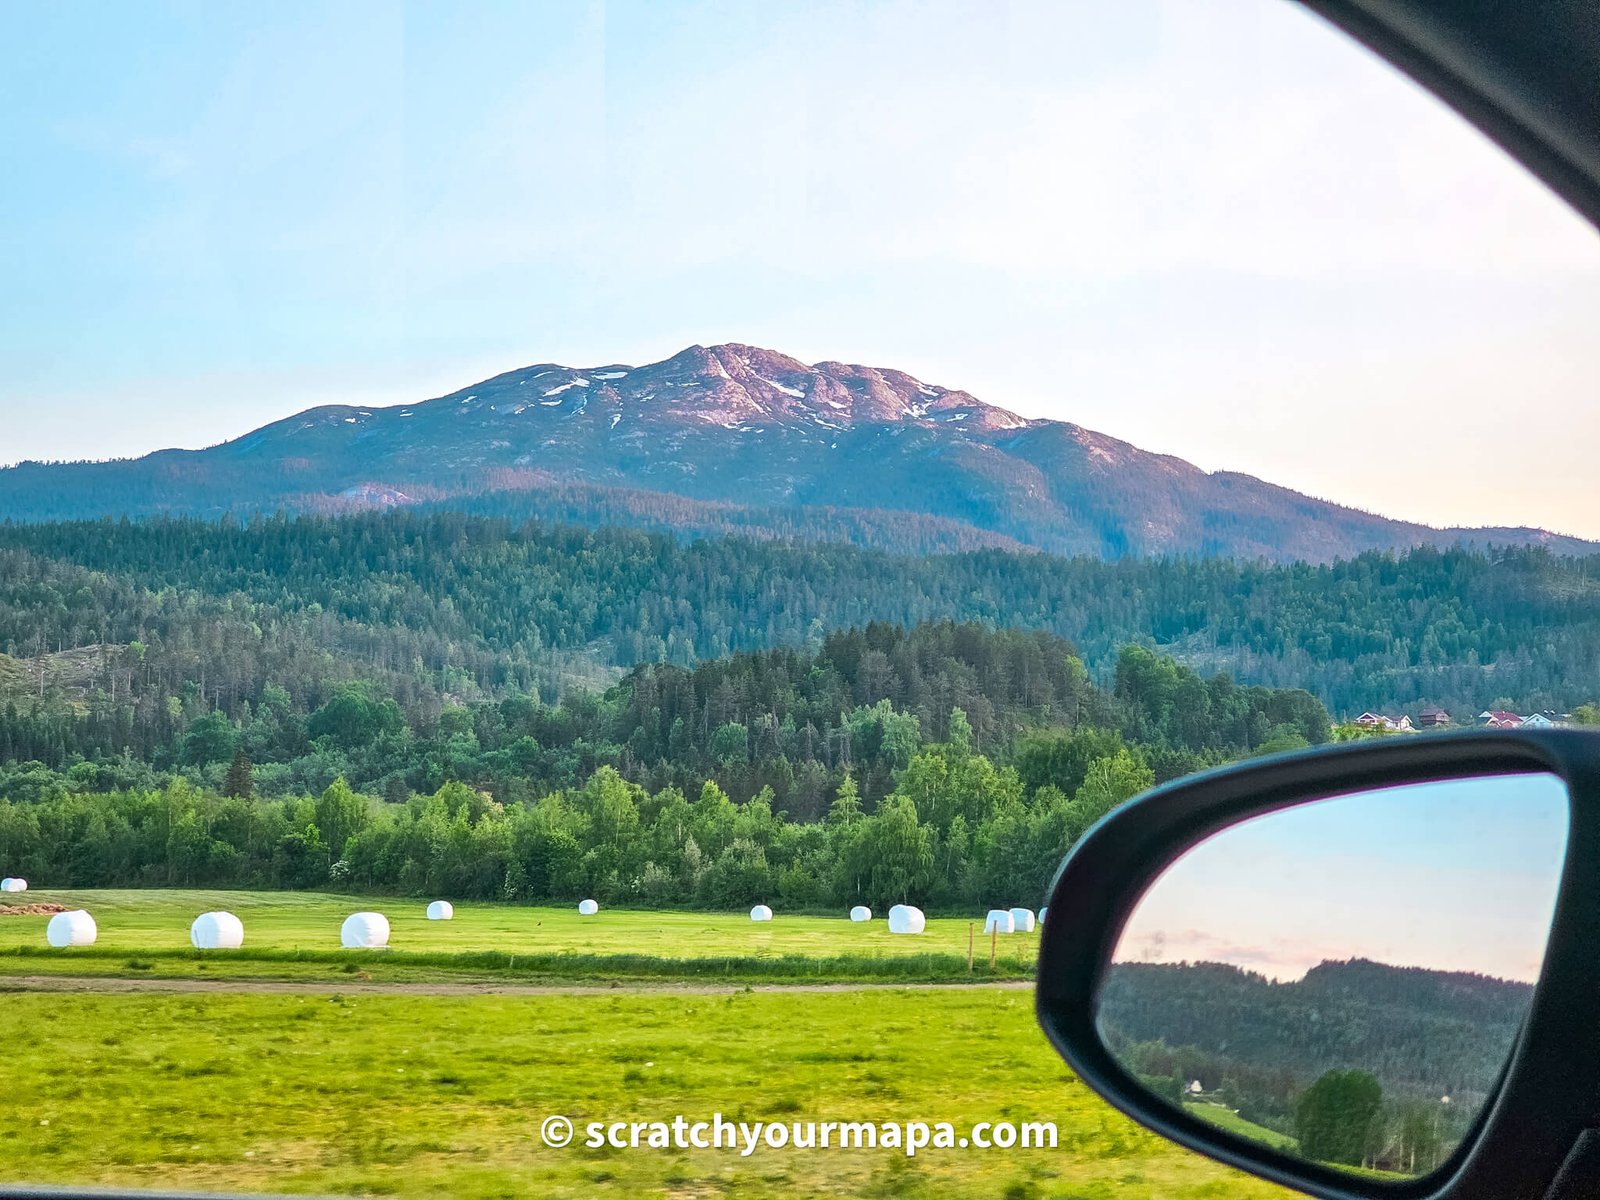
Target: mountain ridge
(772, 444)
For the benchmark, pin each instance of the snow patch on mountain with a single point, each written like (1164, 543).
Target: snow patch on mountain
(571, 383)
(787, 391)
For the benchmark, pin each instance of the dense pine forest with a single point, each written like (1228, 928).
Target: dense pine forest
(944, 765)
(1263, 1048)
(463, 705)
(161, 621)
(792, 722)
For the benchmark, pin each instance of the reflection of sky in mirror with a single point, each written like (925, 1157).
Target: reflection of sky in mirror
(1453, 876)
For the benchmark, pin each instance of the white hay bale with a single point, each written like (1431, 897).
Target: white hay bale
(903, 918)
(761, 913)
(364, 931)
(441, 910)
(1022, 920)
(216, 931)
(1042, 913)
(9, 884)
(999, 920)
(75, 928)
(587, 908)
(861, 913)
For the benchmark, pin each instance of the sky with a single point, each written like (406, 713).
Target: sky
(1453, 876)
(1220, 231)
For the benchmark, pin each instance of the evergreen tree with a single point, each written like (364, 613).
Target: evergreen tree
(240, 781)
(1336, 1117)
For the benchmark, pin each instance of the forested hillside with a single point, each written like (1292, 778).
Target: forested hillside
(944, 766)
(1431, 1043)
(216, 703)
(793, 722)
(1445, 1033)
(151, 624)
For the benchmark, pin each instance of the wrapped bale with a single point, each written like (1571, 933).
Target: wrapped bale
(1022, 920)
(903, 918)
(1042, 913)
(860, 913)
(216, 931)
(999, 920)
(761, 913)
(364, 931)
(75, 928)
(13, 885)
(588, 908)
(441, 910)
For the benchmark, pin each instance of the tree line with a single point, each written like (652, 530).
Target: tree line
(449, 605)
(947, 765)
(792, 723)
(956, 831)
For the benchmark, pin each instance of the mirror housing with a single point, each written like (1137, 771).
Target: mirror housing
(1551, 1087)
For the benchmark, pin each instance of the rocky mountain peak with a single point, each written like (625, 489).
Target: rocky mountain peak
(740, 428)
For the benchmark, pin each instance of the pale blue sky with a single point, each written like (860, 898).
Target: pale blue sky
(1215, 229)
(1454, 876)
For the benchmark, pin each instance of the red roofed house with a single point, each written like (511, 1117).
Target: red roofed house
(1499, 719)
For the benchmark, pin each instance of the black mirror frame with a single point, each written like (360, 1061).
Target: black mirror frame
(1550, 1091)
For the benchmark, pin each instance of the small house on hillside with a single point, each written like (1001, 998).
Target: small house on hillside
(1432, 718)
(1499, 719)
(1542, 721)
(1392, 724)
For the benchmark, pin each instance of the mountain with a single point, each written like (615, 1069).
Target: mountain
(734, 438)
(1444, 1029)
(1256, 1045)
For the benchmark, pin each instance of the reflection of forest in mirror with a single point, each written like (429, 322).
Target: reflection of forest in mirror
(1253, 984)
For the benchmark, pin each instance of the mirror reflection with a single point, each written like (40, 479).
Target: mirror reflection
(1344, 980)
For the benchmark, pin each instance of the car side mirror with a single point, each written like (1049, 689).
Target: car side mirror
(1368, 970)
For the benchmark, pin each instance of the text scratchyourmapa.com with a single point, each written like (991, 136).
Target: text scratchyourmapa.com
(747, 1137)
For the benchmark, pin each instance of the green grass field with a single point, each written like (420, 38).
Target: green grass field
(382, 1091)
(292, 934)
(430, 1096)
(1225, 1118)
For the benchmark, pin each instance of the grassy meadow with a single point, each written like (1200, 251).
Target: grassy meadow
(1225, 1118)
(443, 1096)
(353, 1087)
(293, 934)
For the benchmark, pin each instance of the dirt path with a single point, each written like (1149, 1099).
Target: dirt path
(281, 987)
